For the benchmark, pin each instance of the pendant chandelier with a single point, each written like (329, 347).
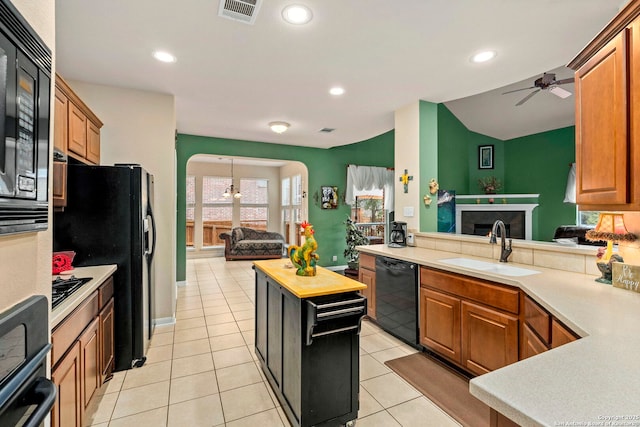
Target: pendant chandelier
(230, 191)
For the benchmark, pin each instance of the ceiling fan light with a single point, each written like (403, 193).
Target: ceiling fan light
(558, 91)
(484, 56)
(279, 127)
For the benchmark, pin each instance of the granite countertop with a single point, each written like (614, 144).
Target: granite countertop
(591, 380)
(100, 273)
(325, 282)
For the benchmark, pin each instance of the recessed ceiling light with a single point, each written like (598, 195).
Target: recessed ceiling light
(279, 127)
(337, 91)
(483, 56)
(164, 56)
(297, 14)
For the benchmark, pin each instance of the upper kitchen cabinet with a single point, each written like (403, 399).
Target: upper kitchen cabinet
(607, 82)
(80, 132)
(76, 132)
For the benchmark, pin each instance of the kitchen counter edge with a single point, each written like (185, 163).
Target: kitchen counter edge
(100, 273)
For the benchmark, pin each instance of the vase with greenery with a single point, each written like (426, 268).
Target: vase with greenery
(353, 237)
(489, 184)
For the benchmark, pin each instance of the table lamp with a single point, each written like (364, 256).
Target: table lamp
(610, 228)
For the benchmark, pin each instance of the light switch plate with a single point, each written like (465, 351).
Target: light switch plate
(408, 211)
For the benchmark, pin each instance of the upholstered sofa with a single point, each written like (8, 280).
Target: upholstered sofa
(247, 243)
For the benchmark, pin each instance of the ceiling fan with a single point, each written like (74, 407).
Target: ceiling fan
(547, 81)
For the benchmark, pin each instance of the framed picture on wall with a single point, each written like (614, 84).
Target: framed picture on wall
(329, 197)
(485, 157)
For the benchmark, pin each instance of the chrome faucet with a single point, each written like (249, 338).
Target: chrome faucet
(505, 250)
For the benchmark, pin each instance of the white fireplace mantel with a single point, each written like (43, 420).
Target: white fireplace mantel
(527, 208)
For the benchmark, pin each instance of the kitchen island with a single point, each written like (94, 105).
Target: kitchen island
(307, 341)
(591, 380)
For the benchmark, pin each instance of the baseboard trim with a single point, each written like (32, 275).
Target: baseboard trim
(164, 321)
(181, 283)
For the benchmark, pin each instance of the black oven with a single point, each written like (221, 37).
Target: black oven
(25, 85)
(26, 395)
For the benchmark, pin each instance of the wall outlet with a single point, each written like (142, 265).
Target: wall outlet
(335, 257)
(411, 239)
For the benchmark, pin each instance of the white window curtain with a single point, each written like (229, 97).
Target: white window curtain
(368, 178)
(570, 192)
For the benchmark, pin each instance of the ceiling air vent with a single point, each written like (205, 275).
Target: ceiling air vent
(240, 10)
(326, 130)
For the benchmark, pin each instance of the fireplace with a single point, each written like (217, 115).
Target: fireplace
(477, 219)
(480, 223)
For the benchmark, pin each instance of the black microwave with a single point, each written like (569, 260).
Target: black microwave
(25, 85)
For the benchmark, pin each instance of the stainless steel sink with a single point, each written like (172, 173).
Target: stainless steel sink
(489, 267)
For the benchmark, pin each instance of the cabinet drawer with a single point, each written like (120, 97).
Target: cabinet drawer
(367, 261)
(105, 292)
(499, 296)
(69, 330)
(537, 319)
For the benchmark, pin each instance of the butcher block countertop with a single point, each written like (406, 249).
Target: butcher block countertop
(325, 282)
(100, 273)
(595, 379)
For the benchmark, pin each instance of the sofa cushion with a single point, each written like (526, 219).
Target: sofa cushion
(236, 235)
(258, 247)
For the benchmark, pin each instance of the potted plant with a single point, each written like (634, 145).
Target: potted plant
(489, 184)
(353, 237)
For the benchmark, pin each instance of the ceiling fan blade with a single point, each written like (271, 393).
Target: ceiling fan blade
(518, 90)
(526, 98)
(564, 81)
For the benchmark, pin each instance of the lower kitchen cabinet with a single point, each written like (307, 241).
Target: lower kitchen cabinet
(440, 325)
(471, 322)
(541, 331)
(82, 355)
(489, 338)
(67, 411)
(531, 344)
(90, 350)
(367, 276)
(560, 335)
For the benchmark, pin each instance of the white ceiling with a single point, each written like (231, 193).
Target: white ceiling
(231, 78)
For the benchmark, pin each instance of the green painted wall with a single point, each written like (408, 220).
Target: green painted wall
(453, 152)
(475, 141)
(539, 163)
(325, 167)
(429, 167)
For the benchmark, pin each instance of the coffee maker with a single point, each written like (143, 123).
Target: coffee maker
(398, 234)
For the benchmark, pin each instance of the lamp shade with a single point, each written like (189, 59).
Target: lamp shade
(610, 227)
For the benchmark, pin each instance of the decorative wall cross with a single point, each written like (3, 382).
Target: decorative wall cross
(405, 178)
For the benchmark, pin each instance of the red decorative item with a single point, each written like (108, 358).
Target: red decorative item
(62, 261)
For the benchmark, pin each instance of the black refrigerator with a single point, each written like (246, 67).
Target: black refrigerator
(109, 220)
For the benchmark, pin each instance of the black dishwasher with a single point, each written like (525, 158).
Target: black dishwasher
(397, 298)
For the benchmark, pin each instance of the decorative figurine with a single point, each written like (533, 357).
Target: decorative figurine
(304, 257)
(433, 186)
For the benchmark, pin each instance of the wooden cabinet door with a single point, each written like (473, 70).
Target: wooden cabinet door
(560, 335)
(93, 143)
(68, 409)
(440, 323)
(368, 277)
(59, 184)
(602, 141)
(77, 131)
(60, 124)
(489, 338)
(90, 361)
(531, 344)
(107, 348)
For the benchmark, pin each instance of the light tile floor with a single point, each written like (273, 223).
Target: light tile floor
(202, 371)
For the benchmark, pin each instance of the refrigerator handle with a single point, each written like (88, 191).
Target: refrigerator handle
(153, 228)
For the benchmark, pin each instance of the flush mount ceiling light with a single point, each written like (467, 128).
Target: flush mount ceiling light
(164, 56)
(297, 14)
(279, 127)
(336, 91)
(484, 56)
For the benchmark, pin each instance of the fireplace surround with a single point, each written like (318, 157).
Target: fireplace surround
(477, 219)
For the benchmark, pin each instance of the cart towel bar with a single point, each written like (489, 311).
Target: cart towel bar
(324, 319)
